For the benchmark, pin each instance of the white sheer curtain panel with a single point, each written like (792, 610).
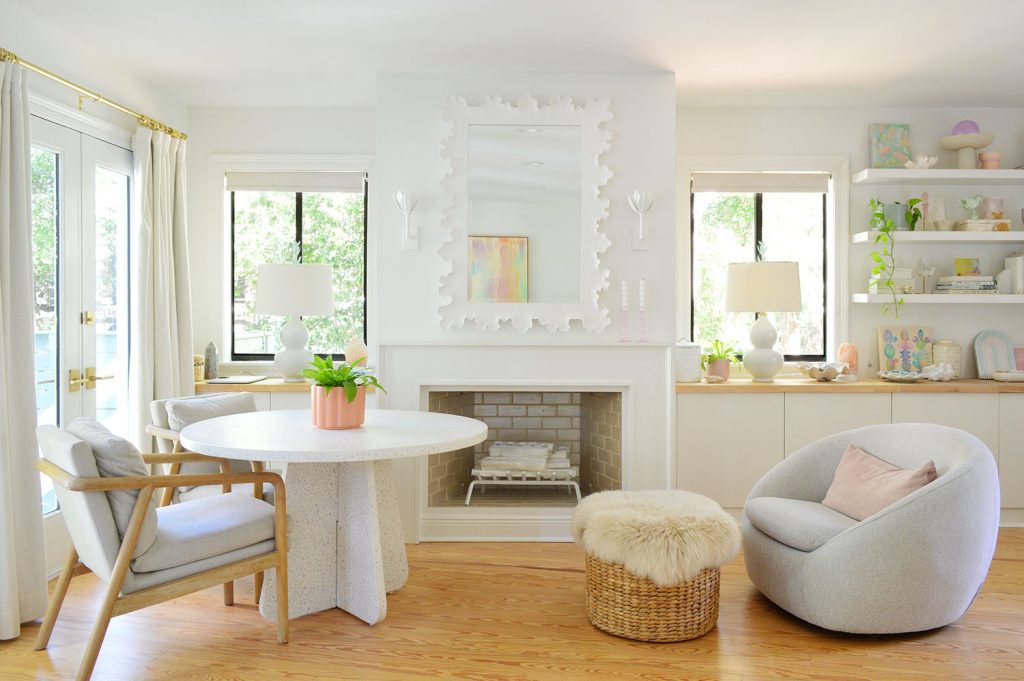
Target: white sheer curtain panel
(160, 363)
(22, 559)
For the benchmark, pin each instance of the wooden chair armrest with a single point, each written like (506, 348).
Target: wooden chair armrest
(180, 457)
(164, 433)
(77, 484)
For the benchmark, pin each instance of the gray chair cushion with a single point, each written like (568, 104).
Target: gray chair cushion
(118, 458)
(196, 530)
(803, 525)
(204, 491)
(185, 411)
(144, 580)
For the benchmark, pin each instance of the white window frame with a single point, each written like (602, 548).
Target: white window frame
(837, 230)
(218, 212)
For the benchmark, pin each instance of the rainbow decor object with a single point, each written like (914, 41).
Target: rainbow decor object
(498, 269)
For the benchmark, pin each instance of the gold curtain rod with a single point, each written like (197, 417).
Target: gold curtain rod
(7, 55)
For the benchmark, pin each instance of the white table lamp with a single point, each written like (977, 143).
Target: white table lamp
(762, 287)
(295, 290)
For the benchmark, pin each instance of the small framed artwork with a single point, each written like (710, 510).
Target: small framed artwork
(904, 348)
(966, 267)
(890, 144)
(499, 269)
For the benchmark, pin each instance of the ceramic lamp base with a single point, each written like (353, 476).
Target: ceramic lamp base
(762, 361)
(295, 357)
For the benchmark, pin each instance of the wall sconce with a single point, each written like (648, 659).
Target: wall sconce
(640, 202)
(410, 237)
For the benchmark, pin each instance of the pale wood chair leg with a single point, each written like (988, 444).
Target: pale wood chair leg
(167, 493)
(124, 558)
(258, 583)
(57, 599)
(229, 593)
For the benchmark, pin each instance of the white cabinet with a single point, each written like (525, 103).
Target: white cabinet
(1011, 450)
(813, 416)
(262, 401)
(725, 443)
(978, 414)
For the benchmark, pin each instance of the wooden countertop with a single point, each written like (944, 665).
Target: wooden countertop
(864, 385)
(267, 385)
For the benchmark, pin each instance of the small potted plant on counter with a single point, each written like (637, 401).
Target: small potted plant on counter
(717, 359)
(339, 393)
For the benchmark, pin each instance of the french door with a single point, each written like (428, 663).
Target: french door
(81, 208)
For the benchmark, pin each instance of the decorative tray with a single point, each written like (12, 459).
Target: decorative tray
(901, 376)
(1008, 376)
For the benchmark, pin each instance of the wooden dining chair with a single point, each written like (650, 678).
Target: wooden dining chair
(196, 544)
(168, 417)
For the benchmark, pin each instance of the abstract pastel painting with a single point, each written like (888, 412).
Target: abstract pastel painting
(904, 348)
(890, 145)
(498, 269)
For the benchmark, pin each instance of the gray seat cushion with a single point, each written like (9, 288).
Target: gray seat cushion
(802, 525)
(204, 528)
(204, 491)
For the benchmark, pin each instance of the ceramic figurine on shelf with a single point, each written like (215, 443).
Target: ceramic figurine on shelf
(990, 159)
(970, 206)
(211, 361)
(923, 270)
(967, 137)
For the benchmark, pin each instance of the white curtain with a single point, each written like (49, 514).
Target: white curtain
(22, 560)
(160, 363)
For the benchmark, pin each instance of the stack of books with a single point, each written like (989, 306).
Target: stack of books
(966, 285)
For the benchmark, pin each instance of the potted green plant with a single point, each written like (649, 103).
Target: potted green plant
(912, 215)
(717, 359)
(339, 392)
(884, 261)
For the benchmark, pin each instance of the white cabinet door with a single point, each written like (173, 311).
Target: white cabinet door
(725, 443)
(813, 416)
(262, 401)
(1011, 450)
(977, 414)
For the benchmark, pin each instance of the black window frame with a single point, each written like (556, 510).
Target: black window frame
(758, 227)
(264, 357)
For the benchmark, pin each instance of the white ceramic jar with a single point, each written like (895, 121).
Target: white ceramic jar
(686, 362)
(949, 352)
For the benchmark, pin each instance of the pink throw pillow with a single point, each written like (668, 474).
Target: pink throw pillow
(864, 484)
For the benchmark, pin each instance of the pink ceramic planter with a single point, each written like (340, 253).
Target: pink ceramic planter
(333, 412)
(720, 367)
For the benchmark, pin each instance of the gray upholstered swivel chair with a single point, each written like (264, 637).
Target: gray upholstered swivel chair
(148, 555)
(913, 566)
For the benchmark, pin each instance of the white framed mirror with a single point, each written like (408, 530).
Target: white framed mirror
(522, 228)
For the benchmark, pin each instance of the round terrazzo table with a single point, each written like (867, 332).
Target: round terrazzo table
(345, 543)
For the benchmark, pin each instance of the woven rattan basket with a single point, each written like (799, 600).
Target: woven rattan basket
(635, 607)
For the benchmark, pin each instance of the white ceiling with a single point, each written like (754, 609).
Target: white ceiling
(724, 52)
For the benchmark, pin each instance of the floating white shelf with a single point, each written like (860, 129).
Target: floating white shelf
(1016, 236)
(941, 298)
(937, 176)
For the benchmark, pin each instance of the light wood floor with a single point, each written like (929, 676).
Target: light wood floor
(515, 611)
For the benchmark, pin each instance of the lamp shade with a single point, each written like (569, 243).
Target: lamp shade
(763, 287)
(294, 289)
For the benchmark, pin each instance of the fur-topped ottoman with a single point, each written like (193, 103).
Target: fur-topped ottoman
(653, 562)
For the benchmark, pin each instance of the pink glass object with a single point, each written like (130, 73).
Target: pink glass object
(334, 412)
(1018, 354)
(990, 159)
(641, 327)
(849, 354)
(966, 128)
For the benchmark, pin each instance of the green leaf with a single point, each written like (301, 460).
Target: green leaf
(350, 392)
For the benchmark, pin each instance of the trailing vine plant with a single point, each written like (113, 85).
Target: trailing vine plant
(884, 262)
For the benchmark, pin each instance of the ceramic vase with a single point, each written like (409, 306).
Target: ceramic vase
(331, 411)
(948, 352)
(720, 368)
(990, 159)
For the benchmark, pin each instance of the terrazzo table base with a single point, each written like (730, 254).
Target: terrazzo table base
(346, 547)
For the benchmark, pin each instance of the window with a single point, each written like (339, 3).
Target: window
(730, 214)
(326, 219)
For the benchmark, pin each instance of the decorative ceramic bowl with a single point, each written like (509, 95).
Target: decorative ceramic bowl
(821, 371)
(921, 162)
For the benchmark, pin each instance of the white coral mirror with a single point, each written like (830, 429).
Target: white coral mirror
(525, 213)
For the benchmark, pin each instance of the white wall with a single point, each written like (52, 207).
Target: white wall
(816, 131)
(74, 58)
(276, 131)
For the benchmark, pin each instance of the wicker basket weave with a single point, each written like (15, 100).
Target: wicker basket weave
(635, 607)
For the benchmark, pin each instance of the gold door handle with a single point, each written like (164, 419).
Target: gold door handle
(75, 380)
(91, 378)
